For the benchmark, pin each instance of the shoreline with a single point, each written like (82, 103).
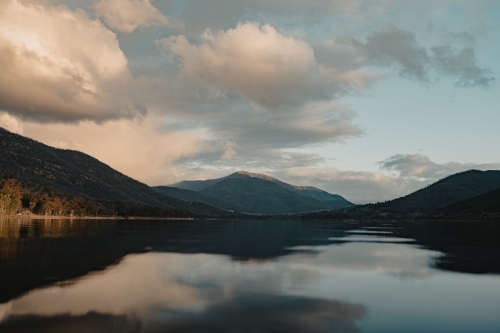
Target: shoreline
(62, 217)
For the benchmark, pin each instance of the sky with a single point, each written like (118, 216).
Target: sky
(368, 99)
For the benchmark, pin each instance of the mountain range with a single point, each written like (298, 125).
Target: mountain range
(255, 194)
(62, 173)
(41, 178)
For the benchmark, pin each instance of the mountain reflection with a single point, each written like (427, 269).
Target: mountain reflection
(242, 276)
(158, 292)
(90, 322)
(37, 253)
(287, 314)
(244, 314)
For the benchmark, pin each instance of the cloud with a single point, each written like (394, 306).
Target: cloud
(231, 80)
(400, 175)
(421, 166)
(212, 301)
(245, 95)
(322, 16)
(259, 313)
(462, 65)
(158, 150)
(137, 148)
(60, 65)
(396, 47)
(256, 61)
(401, 50)
(11, 123)
(145, 150)
(129, 15)
(257, 138)
(356, 186)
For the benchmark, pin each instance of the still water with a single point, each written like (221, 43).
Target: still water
(249, 276)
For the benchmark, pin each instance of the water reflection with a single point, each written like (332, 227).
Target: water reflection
(161, 292)
(243, 314)
(237, 276)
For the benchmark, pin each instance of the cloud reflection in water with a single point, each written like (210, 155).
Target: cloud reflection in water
(158, 292)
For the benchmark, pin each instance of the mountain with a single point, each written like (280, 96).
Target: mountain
(195, 185)
(74, 173)
(255, 193)
(486, 203)
(191, 196)
(452, 189)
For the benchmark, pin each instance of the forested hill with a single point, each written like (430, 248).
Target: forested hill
(77, 174)
(487, 203)
(21, 196)
(449, 190)
(454, 188)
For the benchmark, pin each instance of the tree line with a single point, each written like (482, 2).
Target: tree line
(18, 196)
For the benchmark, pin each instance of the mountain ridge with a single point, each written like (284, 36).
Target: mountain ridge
(77, 174)
(429, 199)
(221, 192)
(198, 185)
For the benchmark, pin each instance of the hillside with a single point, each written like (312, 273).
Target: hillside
(256, 194)
(189, 195)
(449, 190)
(454, 188)
(28, 198)
(488, 202)
(77, 174)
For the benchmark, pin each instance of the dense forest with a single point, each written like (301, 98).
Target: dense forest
(18, 196)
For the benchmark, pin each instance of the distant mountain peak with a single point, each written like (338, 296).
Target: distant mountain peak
(239, 174)
(262, 194)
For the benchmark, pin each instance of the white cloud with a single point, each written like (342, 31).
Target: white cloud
(421, 166)
(256, 61)
(129, 15)
(59, 64)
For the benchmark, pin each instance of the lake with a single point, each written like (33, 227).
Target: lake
(249, 276)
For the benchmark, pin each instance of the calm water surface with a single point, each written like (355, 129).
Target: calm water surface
(249, 276)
